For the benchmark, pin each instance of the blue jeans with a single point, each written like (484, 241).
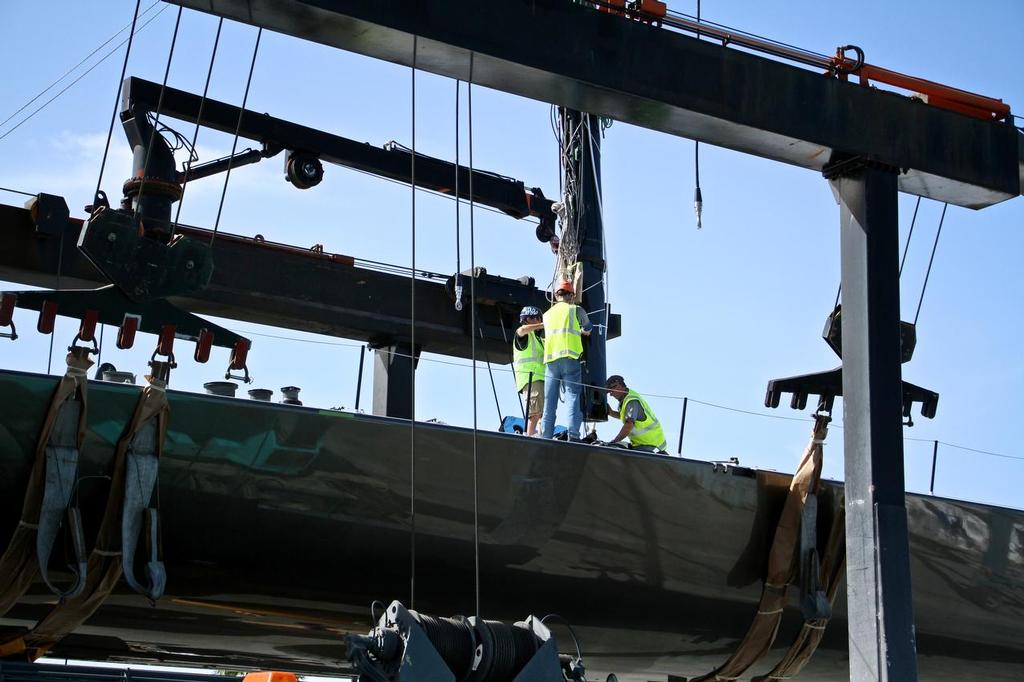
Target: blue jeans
(562, 372)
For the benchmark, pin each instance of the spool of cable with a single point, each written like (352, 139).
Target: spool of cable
(454, 640)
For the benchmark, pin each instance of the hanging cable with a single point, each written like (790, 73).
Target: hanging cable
(494, 386)
(103, 162)
(931, 259)
(910, 234)
(458, 208)
(117, 105)
(698, 200)
(49, 87)
(906, 250)
(156, 119)
(199, 120)
(80, 76)
(412, 341)
(238, 128)
(472, 297)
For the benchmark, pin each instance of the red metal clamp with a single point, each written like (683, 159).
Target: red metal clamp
(126, 333)
(239, 353)
(203, 345)
(7, 303)
(47, 317)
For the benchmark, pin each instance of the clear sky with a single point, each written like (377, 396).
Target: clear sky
(712, 315)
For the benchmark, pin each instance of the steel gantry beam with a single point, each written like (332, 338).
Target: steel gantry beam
(870, 143)
(568, 54)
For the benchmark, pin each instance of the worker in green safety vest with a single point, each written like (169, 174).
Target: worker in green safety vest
(638, 421)
(565, 325)
(528, 363)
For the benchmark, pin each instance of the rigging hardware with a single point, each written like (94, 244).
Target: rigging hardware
(407, 646)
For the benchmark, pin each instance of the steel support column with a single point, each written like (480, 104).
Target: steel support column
(585, 157)
(881, 620)
(392, 379)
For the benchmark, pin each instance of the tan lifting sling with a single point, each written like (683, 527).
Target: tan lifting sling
(782, 560)
(132, 481)
(50, 487)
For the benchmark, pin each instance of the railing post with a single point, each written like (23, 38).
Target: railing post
(682, 427)
(359, 381)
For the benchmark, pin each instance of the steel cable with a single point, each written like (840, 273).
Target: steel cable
(82, 75)
(472, 298)
(159, 107)
(199, 119)
(238, 128)
(931, 259)
(412, 340)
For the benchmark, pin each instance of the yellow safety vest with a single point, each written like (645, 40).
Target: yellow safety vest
(562, 334)
(529, 362)
(645, 432)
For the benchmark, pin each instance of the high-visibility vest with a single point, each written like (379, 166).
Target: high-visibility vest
(562, 334)
(529, 362)
(647, 431)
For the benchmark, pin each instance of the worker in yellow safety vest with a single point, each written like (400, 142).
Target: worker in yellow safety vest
(638, 421)
(565, 325)
(528, 363)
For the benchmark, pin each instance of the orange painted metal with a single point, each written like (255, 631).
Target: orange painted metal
(270, 676)
(938, 95)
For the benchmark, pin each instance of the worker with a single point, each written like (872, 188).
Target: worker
(528, 362)
(565, 325)
(638, 421)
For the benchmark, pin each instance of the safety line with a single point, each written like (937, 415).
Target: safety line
(931, 259)
(412, 339)
(156, 118)
(238, 128)
(199, 118)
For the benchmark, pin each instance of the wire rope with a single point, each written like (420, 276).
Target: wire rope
(458, 209)
(117, 103)
(472, 297)
(238, 128)
(199, 120)
(159, 108)
(412, 339)
(931, 259)
(903, 259)
(49, 87)
(82, 75)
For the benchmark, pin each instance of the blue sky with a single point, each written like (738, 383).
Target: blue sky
(712, 315)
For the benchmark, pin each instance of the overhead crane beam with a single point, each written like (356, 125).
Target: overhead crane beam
(571, 55)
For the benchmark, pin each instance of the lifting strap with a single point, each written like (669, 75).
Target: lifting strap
(833, 567)
(782, 559)
(50, 486)
(132, 482)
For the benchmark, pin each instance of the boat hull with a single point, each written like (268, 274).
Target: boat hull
(281, 524)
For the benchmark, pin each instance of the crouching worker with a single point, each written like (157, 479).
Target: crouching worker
(638, 421)
(528, 361)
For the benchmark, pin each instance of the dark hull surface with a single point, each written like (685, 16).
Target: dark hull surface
(281, 524)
